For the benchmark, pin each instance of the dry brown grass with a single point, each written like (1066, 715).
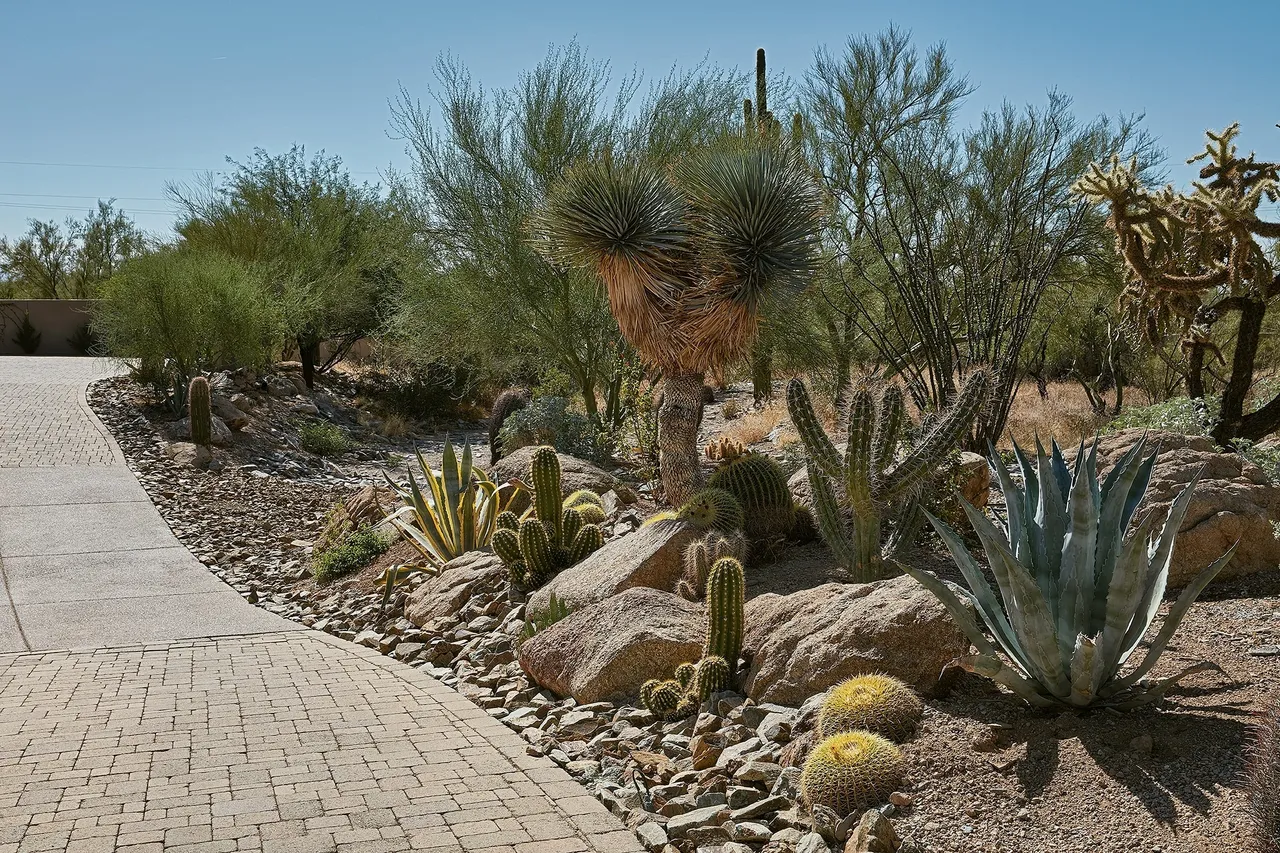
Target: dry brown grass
(1064, 414)
(754, 427)
(393, 426)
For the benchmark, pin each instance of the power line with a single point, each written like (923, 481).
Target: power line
(77, 208)
(105, 166)
(116, 197)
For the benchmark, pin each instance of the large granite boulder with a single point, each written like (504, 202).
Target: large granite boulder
(574, 474)
(606, 650)
(801, 644)
(447, 592)
(653, 556)
(232, 415)
(1233, 501)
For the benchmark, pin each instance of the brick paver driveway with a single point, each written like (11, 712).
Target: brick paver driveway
(161, 736)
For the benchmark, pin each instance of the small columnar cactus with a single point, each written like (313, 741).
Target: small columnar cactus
(851, 771)
(200, 411)
(877, 476)
(559, 536)
(588, 504)
(1262, 781)
(510, 401)
(877, 703)
(701, 555)
(725, 596)
(712, 509)
(724, 449)
(759, 484)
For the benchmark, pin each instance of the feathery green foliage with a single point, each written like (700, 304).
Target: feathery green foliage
(1078, 597)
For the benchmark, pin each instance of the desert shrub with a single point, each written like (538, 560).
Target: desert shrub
(1180, 414)
(323, 439)
(553, 421)
(354, 552)
(84, 341)
(185, 312)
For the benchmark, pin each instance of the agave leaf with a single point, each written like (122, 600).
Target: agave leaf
(1015, 528)
(1050, 517)
(1111, 527)
(1075, 580)
(451, 485)
(1121, 465)
(1145, 694)
(1138, 488)
(1061, 473)
(1160, 554)
(429, 549)
(1001, 673)
(983, 596)
(426, 515)
(467, 520)
(1174, 618)
(1028, 612)
(1085, 674)
(959, 603)
(1123, 596)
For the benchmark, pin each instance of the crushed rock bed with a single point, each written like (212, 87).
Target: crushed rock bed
(985, 773)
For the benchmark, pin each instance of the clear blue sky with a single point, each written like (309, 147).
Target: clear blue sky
(178, 84)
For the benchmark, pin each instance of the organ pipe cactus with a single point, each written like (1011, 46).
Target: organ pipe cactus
(200, 411)
(535, 549)
(1078, 596)
(878, 475)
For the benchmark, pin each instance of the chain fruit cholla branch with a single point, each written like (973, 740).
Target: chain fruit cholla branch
(1195, 258)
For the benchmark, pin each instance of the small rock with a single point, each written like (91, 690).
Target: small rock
(901, 800)
(812, 843)
(1141, 745)
(875, 834)
(679, 826)
(651, 835)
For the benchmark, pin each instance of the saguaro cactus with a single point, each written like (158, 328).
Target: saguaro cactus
(200, 411)
(876, 477)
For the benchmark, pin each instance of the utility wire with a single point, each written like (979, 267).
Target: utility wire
(116, 197)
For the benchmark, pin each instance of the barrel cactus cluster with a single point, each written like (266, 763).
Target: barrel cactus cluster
(694, 683)
(562, 531)
(760, 486)
(857, 763)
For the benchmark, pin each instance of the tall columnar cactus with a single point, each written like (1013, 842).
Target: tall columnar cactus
(1262, 780)
(557, 537)
(725, 596)
(760, 485)
(200, 411)
(877, 476)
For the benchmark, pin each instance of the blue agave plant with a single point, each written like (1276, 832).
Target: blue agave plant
(1076, 596)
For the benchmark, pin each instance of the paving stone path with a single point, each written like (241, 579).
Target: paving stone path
(144, 706)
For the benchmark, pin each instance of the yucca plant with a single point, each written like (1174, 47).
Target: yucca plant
(688, 253)
(1078, 596)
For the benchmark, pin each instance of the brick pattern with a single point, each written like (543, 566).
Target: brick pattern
(43, 418)
(284, 742)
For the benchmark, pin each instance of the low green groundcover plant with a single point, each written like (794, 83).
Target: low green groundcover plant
(323, 439)
(353, 553)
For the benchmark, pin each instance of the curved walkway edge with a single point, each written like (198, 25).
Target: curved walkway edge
(145, 706)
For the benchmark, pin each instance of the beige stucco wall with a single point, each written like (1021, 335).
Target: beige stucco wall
(55, 319)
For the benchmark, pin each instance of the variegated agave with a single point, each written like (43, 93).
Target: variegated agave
(458, 513)
(1077, 596)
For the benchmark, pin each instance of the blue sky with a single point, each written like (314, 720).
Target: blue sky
(180, 85)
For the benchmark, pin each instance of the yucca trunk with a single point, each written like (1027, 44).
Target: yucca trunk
(678, 418)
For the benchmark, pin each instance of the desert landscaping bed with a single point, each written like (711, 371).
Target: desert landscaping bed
(984, 772)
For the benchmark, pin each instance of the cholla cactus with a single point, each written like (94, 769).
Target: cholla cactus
(878, 475)
(536, 549)
(200, 411)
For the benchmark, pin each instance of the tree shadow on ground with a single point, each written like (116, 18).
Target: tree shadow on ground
(1195, 748)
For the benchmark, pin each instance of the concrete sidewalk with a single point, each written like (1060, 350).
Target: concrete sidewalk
(85, 559)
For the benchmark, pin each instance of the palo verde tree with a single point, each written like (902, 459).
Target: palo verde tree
(49, 262)
(946, 241)
(1197, 258)
(688, 251)
(332, 250)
